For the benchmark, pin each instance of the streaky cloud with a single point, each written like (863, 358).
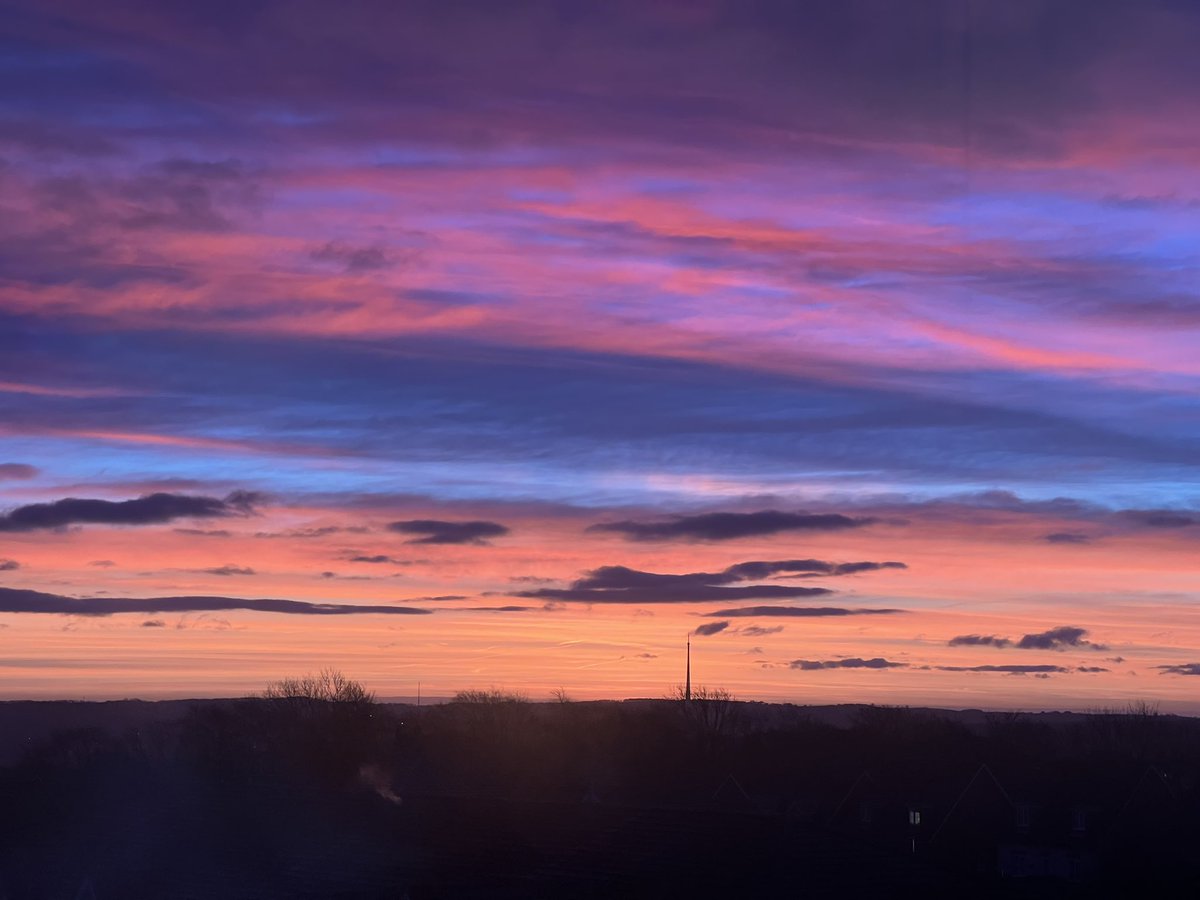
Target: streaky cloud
(608, 584)
(436, 531)
(204, 532)
(150, 509)
(725, 526)
(317, 532)
(620, 584)
(760, 630)
(798, 612)
(228, 570)
(1060, 638)
(978, 640)
(1066, 537)
(1180, 669)
(854, 662)
(26, 601)
(1007, 670)
(1063, 637)
(1159, 518)
(806, 567)
(674, 593)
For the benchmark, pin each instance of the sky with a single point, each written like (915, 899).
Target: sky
(479, 344)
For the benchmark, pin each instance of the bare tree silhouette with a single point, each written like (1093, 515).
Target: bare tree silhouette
(492, 695)
(327, 686)
(713, 711)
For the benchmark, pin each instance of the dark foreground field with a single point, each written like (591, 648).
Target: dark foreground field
(496, 799)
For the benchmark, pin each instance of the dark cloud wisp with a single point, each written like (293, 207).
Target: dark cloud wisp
(724, 526)
(1159, 518)
(1063, 637)
(609, 584)
(229, 569)
(1180, 669)
(1066, 537)
(620, 584)
(760, 630)
(23, 601)
(854, 662)
(805, 568)
(151, 509)
(978, 640)
(798, 612)
(1007, 670)
(435, 531)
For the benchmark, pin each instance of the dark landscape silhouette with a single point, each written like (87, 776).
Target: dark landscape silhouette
(315, 789)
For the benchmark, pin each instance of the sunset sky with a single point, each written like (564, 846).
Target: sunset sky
(511, 343)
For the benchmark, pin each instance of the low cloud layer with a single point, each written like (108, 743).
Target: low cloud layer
(151, 509)
(620, 584)
(1061, 638)
(1008, 670)
(729, 526)
(1160, 518)
(979, 640)
(229, 569)
(710, 628)
(23, 601)
(435, 531)
(1064, 637)
(1180, 669)
(205, 532)
(854, 662)
(1066, 537)
(804, 568)
(799, 612)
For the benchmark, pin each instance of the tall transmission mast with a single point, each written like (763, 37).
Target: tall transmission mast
(687, 687)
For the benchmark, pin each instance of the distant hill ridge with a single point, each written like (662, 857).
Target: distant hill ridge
(26, 723)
